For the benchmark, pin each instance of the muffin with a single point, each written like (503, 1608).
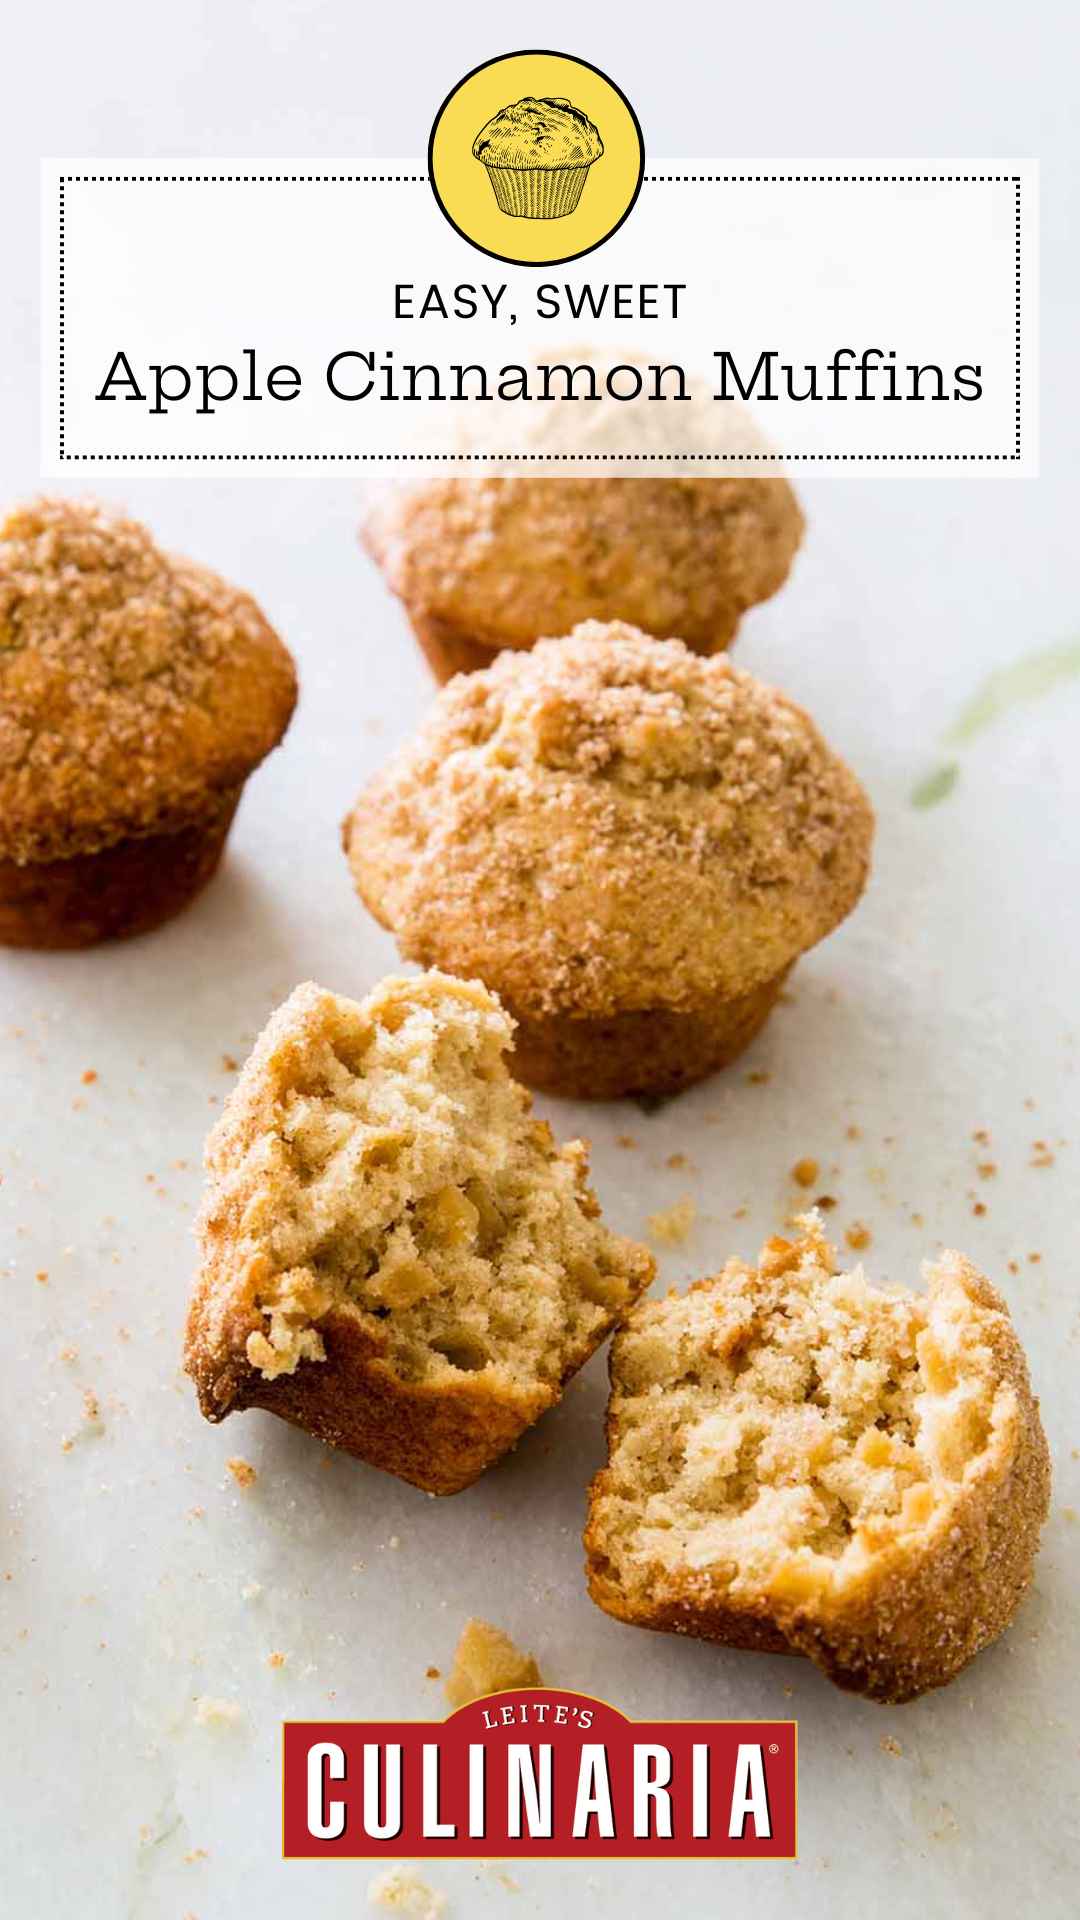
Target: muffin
(395, 1255)
(537, 154)
(628, 843)
(137, 693)
(497, 560)
(802, 1463)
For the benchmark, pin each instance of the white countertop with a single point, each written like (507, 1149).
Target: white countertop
(137, 1576)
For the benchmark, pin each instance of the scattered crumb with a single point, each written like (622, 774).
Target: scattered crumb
(1034, 1258)
(758, 1078)
(625, 1140)
(499, 1872)
(242, 1471)
(672, 1225)
(89, 1075)
(740, 1213)
(402, 1891)
(69, 1355)
(805, 1172)
(91, 1407)
(858, 1236)
(825, 1202)
(487, 1661)
(229, 1064)
(434, 1673)
(42, 1277)
(276, 1659)
(981, 1137)
(1041, 1155)
(978, 1208)
(217, 1713)
(1014, 1266)
(889, 1745)
(197, 1853)
(986, 1169)
(853, 1132)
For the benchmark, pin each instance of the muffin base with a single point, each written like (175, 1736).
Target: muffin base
(537, 193)
(655, 1052)
(448, 650)
(123, 890)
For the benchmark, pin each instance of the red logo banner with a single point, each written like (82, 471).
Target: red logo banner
(539, 1773)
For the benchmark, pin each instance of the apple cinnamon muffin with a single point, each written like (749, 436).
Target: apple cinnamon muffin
(395, 1255)
(803, 1463)
(629, 843)
(137, 693)
(537, 154)
(487, 561)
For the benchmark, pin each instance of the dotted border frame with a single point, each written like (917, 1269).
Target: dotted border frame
(650, 179)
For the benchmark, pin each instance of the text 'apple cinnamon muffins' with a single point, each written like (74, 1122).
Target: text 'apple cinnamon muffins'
(396, 1256)
(628, 843)
(803, 1463)
(494, 560)
(137, 693)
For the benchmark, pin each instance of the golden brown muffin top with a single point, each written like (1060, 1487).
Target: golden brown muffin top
(538, 133)
(134, 686)
(506, 558)
(611, 823)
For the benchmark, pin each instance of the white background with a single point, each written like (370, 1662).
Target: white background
(946, 1003)
(177, 272)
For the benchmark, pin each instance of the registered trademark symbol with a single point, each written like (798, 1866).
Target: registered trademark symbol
(773, 1747)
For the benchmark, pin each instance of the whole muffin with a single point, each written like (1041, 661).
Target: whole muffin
(538, 154)
(630, 844)
(497, 560)
(803, 1463)
(137, 693)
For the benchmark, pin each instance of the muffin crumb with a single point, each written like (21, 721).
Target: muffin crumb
(400, 1890)
(487, 1661)
(672, 1226)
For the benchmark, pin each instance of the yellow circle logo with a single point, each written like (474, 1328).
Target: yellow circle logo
(536, 158)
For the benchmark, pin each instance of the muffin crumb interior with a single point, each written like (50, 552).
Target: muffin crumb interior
(779, 1428)
(393, 1170)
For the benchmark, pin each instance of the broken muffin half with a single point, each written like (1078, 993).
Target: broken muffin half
(395, 1255)
(801, 1462)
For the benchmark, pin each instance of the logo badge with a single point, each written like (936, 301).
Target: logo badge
(537, 1773)
(536, 158)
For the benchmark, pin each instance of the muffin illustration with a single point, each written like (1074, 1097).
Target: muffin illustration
(137, 693)
(803, 1463)
(629, 844)
(538, 154)
(396, 1256)
(495, 561)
